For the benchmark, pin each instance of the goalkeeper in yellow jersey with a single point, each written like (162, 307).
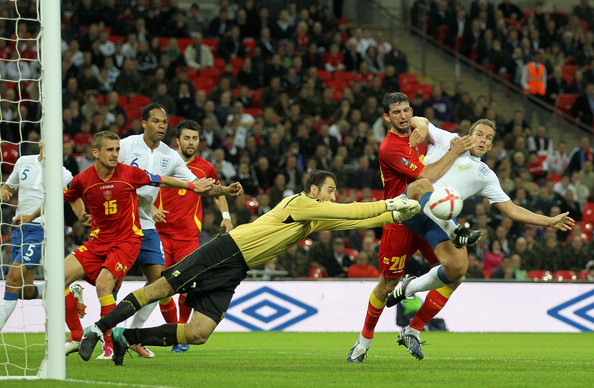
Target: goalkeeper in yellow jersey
(210, 274)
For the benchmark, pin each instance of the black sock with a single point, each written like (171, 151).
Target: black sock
(164, 335)
(124, 310)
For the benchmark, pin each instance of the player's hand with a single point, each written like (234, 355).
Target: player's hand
(159, 215)
(203, 185)
(418, 135)
(402, 203)
(227, 224)
(23, 219)
(235, 189)
(461, 144)
(562, 222)
(85, 219)
(6, 195)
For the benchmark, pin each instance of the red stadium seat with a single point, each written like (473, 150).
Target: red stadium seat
(252, 203)
(212, 44)
(306, 243)
(255, 112)
(324, 75)
(377, 195)
(183, 43)
(425, 90)
(351, 252)
(407, 78)
(540, 275)
(204, 83)
(250, 43)
(583, 275)
(9, 156)
(164, 40)
(568, 71)
(257, 98)
(565, 101)
(219, 63)
(174, 120)
(316, 273)
(564, 275)
(345, 75)
(450, 127)
(210, 72)
(442, 33)
(588, 212)
(138, 99)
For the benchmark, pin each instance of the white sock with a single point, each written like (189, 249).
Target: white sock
(410, 330)
(430, 281)
(365, 342)
(448, 226)
(6, 309)
(142, 315)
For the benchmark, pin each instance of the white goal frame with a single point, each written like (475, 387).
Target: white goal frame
(54, 366)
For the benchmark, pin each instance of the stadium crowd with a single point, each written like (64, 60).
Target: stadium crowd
(281, 92)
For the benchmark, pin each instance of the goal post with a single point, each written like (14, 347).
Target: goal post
(51, 98)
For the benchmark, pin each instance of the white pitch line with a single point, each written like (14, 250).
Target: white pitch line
(118, 384)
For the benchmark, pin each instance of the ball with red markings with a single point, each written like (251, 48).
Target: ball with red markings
(445, 203)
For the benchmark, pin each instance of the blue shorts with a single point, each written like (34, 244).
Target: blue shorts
(26, 244)
(151, 249)
(426, 229)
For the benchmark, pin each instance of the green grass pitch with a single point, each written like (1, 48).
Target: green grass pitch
(278, 359)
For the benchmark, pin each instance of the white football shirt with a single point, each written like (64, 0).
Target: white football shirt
(27, 179)
(468, 175)
(162, 160)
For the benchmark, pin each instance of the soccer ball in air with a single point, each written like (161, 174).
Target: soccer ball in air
(445, 203)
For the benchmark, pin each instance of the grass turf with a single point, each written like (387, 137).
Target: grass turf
(278, 359)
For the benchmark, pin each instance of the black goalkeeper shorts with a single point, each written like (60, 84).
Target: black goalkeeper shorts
(209, 276)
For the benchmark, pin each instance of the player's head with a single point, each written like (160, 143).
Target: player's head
(106, 148)
(154, 121)
(187, 137)
(321, 185)
(397, 112)
(482, 133)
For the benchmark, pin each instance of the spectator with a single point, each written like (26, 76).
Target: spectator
(396, 58)
(147, 62)
(183, 100)
(338, 262)
(579, 84)
(582, 107)
(352, 58)
(504, 270)
(361, 268)
(543, 203)
(295, 261)
(493, 257)
(129, 80)
(264, 173)
(590, 268)
(534, 76)
(464, 109)
(556, 85)
(368, 246)
(228, 170)
(198, 55)
(474, 270)
(581, 190)
(540, 142)
(579, 155)
(587, 176)
(320, 249)
(551, 255)
(440, 104)
(373, 60)
(333, 60)
(219, 26)
(516, 267)
(195, 22)
(510, 10)
(301, 36)
(583, 11)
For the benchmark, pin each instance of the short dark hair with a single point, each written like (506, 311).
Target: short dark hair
(317, 178)
(146, 111)
(393, 98)
(186, 124)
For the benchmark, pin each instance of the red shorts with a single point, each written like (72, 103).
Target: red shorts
(397, 246)
(175, 250)
(117, 257)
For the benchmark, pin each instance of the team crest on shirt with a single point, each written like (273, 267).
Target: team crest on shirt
(164, 163)
(410, 165)
(483, 169)
(107, 194)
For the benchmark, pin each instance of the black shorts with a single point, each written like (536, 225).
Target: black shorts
(209, 276)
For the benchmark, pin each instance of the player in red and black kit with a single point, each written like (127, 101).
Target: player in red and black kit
(400, 165)
(108, 189)
(178, 217)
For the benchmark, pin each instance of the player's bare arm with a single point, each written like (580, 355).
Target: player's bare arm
(223, 206)
(234, 190)
(7, 192)
(458, 146)
(420, 130)
(198, 186)
(517, 213)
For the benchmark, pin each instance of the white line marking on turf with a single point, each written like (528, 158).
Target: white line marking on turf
(118, 384)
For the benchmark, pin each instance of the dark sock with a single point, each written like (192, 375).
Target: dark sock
(124, 310)
(164, 335)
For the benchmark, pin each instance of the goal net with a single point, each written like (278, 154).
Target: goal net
(29, 329)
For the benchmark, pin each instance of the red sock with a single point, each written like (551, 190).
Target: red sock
(72, 319)
(374, 311)
(184, 311)
(433, 304)
(107, 304)
(168, 309)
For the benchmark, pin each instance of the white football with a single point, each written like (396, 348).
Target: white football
(445, 203)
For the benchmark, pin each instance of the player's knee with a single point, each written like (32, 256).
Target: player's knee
(455, 269)
(195, 338)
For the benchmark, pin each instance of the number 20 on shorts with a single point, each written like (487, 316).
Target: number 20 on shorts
(398, 262)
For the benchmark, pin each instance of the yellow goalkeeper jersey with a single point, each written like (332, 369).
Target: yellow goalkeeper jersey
(297, 216)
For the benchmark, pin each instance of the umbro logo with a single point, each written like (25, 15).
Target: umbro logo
(577, 312)
(266, 309)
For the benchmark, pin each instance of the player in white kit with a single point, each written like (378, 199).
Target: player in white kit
(26, 180)
(469, 176)
(148, 152)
